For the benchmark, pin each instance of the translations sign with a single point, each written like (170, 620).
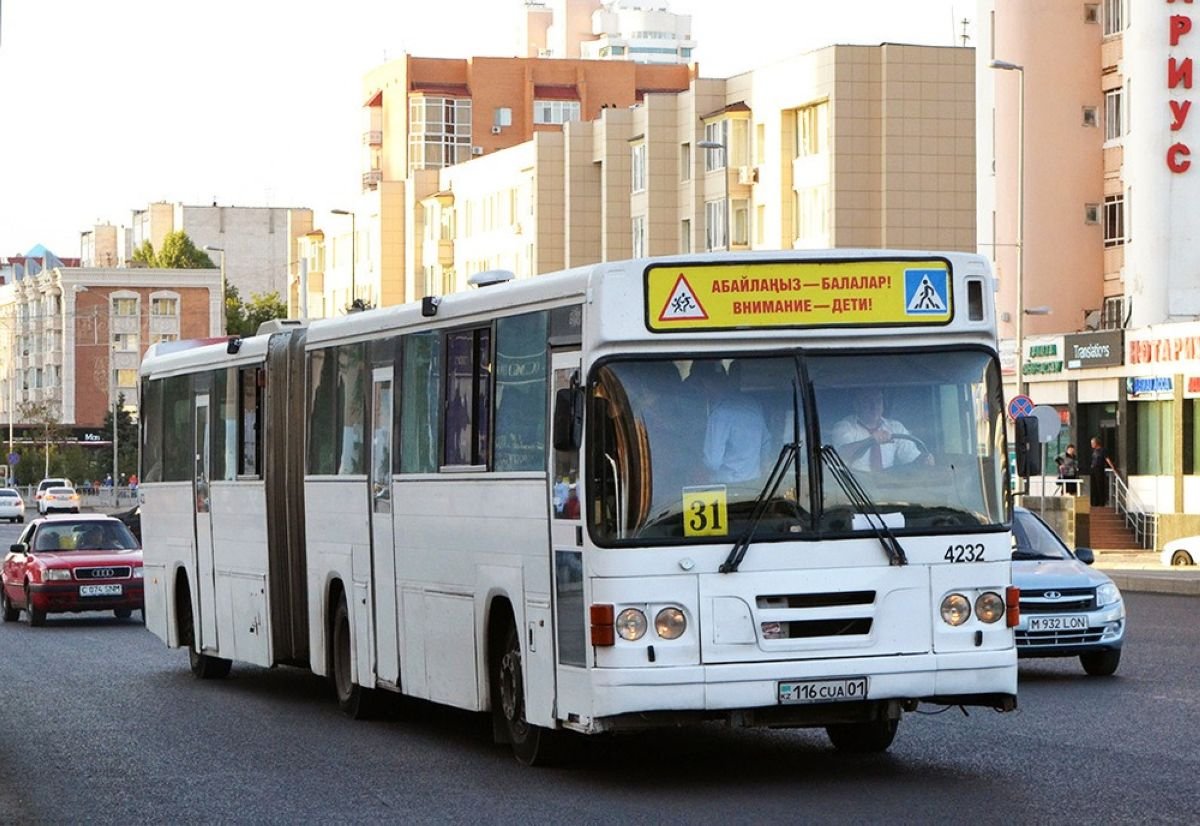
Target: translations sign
(1104, 348)
(783, 294)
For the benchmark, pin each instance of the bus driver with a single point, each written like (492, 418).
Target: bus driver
(867, 440)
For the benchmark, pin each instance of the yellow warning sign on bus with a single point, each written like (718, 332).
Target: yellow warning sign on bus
(725, 296)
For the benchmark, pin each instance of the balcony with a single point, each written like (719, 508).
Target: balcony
(373, 137)
(371, 179)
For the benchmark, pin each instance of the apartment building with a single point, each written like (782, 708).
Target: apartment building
(847, 146)
(74, 337)
(257, 242)
(1108, 258)
(644, 31)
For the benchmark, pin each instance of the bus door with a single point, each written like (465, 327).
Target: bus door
(566, 542)
(204, 588)
(383, 541)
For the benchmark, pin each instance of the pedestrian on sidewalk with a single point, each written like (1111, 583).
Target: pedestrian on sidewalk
(1100, 463)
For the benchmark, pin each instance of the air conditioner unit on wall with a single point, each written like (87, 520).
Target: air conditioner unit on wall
(476, 150)
(495, 130)
(747, 175)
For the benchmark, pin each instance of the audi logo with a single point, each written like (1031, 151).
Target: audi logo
(1053, 595)
(103, 573)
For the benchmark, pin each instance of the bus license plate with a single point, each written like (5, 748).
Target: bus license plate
(99, 590)
(1076, 622)
(823, 691)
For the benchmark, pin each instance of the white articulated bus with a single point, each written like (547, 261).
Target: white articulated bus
(764, 488)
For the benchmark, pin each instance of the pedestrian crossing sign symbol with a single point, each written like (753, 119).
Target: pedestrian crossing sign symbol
(682, 304)
(926, 292)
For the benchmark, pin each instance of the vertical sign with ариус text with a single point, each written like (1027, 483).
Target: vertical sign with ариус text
(791, 294)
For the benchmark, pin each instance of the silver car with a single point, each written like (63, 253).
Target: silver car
(1067, 608)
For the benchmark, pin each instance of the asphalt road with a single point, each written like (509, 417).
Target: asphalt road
(102, 724)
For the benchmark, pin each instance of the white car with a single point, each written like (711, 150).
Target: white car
(1182, 551)
(12, 506)
(58, 499)
(44, 486)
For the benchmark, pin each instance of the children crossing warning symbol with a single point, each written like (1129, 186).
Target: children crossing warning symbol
(926, 292)
(682, 304)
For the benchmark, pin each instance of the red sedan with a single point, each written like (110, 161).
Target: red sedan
(69, 564)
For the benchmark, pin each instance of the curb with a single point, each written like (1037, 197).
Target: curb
(1156, 582)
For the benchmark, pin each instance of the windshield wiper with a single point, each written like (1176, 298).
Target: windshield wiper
(787, 455)
(858, 497)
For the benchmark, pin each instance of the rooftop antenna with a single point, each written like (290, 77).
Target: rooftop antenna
(965, 36)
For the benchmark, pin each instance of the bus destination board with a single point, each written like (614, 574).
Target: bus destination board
(781, 294)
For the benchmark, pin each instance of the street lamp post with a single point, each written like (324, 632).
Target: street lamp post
(224, 312)
(353, 252)
(1004, 65)
(724, 171)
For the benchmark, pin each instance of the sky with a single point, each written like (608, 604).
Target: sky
(108, 106)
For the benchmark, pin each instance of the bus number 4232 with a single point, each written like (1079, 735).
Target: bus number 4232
(964, 553)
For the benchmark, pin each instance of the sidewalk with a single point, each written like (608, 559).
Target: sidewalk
(1142, 571)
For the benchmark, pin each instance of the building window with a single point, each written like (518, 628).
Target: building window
(810, 214)
(439, 132)
(1112, 317)
(685, 235)
(639, 168)
(685, 162)
(555, 111)
(164, 306)
(741, 222)
(127, 379)
(718, 132)
(1114, 18)
(503, 116)
(125, 342)
(812, 128)
(1113, 109)
(1155, 438)
(125, 306)
(1114, 220)
(1091, 117)
(639, 236)
(157, 338)
(714, 225)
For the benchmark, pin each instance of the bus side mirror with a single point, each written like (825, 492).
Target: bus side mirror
(1028, 447)
(568, 418)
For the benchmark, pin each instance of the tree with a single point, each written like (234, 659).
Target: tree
(45, 425)
(243, 318)
(179, 252)
(127, 443)
(144, 254)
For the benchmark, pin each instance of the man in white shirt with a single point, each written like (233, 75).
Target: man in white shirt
(867, 441)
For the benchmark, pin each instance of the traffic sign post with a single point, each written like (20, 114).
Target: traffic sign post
(1020, 405)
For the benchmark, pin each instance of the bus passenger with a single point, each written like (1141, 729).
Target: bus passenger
(736, 434)
(866, 440)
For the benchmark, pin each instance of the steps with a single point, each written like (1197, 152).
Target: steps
(1107, 530)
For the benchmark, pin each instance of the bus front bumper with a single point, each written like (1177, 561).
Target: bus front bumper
(983, 678)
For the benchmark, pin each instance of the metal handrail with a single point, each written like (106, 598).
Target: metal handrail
(1138, 519)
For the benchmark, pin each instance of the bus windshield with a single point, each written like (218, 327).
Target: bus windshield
(680, 450)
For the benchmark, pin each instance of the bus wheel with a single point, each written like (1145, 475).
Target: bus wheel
(355, 701)
(203, 666)
(532, 745)
(863, 738)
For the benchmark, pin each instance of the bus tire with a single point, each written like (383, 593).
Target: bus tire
(863, 738)
(355, 702)
(203, 666)
(531, 745)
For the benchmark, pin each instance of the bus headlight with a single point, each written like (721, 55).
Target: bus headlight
(670, 623)
(631, 624)
(989, 607)
(956, 609)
